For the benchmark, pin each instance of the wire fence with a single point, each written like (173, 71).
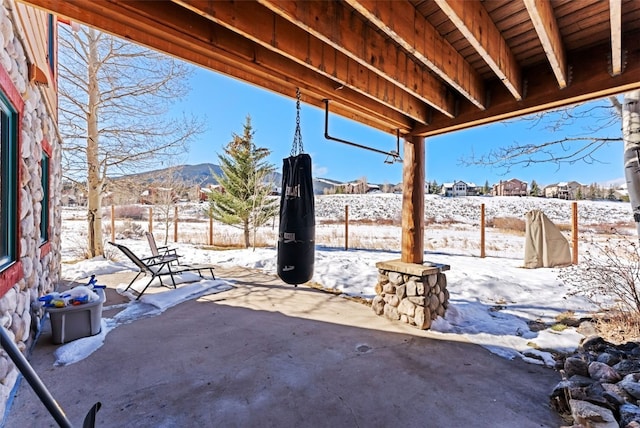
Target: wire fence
(488, 236)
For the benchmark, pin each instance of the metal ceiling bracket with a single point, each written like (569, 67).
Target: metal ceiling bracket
(392, 155)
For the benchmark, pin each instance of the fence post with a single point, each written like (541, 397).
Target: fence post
(346, 227)
(113, 223)
(574, 232)
(150, 219)
(210, 230)
(482, 252)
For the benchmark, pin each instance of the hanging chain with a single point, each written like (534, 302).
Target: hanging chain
(297, 147)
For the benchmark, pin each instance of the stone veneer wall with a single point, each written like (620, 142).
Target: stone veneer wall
(40, 264)
(414, 294)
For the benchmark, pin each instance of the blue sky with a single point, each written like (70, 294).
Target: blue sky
(225, 102)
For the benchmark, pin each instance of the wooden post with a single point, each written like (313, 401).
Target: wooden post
(413, 200)
(482, 253)
(113, 223)
(346, 227)
(210, 230)
(150, 219)
(175, 224)
(574, 232)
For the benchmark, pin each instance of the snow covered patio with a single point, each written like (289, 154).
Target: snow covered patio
(267, 354)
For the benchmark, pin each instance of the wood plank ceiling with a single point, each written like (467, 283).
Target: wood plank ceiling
(422, 67)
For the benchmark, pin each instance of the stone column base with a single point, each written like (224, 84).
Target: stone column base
(412, 293)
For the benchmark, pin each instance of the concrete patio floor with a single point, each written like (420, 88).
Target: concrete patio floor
(266, 354)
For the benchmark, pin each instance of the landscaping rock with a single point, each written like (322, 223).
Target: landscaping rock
(629, 413)
(603, 373)
(601, 385)
(576, 365)
(590, 415)
(626, 367)
(608, 359)
(631, 385)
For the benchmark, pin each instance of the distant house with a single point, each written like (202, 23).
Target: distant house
(72, 197)
(564, 190)
(459, 188)
(355, 187)
(513, 187)
(156, 195)
(204, 192)
(619, 194)
(67, 200)
(373, 188)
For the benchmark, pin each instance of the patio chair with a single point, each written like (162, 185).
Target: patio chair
(157, 268)
(163, 252)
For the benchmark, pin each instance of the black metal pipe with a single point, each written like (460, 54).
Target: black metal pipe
(34, 380)
(395, 156)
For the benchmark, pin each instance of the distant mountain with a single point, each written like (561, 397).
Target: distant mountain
(198, 174)
(319, 184)
(202, 174)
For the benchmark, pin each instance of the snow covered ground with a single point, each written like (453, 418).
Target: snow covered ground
(492, 299)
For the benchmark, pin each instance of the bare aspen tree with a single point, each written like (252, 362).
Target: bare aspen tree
(581, 148)
(362, 185)
(592, 118)
(167, 190)
(115, 100)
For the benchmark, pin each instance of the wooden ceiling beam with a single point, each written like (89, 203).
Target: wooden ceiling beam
(273, 32)
(170, 28)
(590, 80)
(615, 18)
(472, 20)
(337, 26)
(219, 49)
(544, 22)
(346, 102)
(400, 21)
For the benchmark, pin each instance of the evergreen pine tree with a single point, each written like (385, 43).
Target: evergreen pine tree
(245, 199)
(486, 190)
(535, 189)
(435, 188)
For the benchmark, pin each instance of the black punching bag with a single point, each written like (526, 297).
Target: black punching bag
(296, 235)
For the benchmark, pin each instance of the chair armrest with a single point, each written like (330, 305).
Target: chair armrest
(153, 260)
(166, 250)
